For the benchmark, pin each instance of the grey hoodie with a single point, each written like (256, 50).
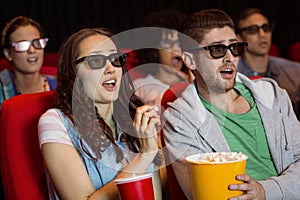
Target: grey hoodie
(191, 129)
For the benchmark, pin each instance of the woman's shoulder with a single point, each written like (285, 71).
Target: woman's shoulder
(51, 114)
(5, 77)
(52, 82)
(52, 128)
(55, 114)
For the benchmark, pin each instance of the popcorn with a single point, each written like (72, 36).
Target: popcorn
(222, 157)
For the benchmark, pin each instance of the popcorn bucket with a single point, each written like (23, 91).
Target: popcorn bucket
(212, 173)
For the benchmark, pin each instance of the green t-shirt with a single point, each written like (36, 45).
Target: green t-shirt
(245, 133)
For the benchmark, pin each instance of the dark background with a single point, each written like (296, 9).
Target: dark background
(60, 18)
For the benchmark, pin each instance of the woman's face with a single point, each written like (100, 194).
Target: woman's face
(103, 84)
(170, 54)
(29, 61)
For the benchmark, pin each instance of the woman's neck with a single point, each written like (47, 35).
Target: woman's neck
(30, 83)
(168, 76)
(106, 112)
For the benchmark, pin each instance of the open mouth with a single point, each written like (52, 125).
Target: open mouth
(176, 60)
(34, 59)
(109, 83)
(226, 71)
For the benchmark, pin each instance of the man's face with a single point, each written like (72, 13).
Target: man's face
(218, 73)
(258, 43)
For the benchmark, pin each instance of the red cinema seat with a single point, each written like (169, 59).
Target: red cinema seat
(22, 168)
(49, 70)
(170, 95)
(51, 59)
(294, 52)
(274, 50)
(5, 64)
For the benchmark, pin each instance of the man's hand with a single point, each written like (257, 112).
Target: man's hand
(251, 188)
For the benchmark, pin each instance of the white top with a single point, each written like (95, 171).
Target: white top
(150, 89)
(52, 129)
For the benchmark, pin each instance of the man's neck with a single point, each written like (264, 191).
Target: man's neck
(224, 100)
(258, 64)
(230, 101)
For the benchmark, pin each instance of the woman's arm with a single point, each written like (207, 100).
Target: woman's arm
(67, 172)
(71, 180)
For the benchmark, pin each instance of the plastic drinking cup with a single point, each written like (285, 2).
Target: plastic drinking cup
(138, 187)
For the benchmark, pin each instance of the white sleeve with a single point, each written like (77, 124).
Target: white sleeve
(52, 129)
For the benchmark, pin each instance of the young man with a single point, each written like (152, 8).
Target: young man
(253, 27)
(224, 111)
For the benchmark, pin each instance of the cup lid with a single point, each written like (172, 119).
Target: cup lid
(132, 178)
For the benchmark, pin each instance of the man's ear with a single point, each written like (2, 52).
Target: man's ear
(6, 54)
(189, 60)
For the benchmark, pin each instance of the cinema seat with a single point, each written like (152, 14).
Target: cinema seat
(22, 168)
(170, 95)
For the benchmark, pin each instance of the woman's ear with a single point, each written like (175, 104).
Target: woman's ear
(7, 54)
(189, 60)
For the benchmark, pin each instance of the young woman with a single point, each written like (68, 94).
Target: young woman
(163, 65)
(23, 46)
(100, 130)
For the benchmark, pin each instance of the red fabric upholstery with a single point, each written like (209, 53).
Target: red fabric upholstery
(4, 63)
(48, 70)
(274, 50)
(22, 168)
(132, 65)
(132, 60)
(255, 77)
(173, 93)
(294, 52)
(169, 96)
(51, 59)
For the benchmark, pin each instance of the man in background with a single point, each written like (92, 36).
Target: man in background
(253, 27)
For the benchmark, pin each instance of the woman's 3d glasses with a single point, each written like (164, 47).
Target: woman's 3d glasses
(219, 50)
(255, 28)
(24, 45)
(99, 61)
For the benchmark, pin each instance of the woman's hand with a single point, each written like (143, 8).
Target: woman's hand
(251, 188)
(145, 121)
